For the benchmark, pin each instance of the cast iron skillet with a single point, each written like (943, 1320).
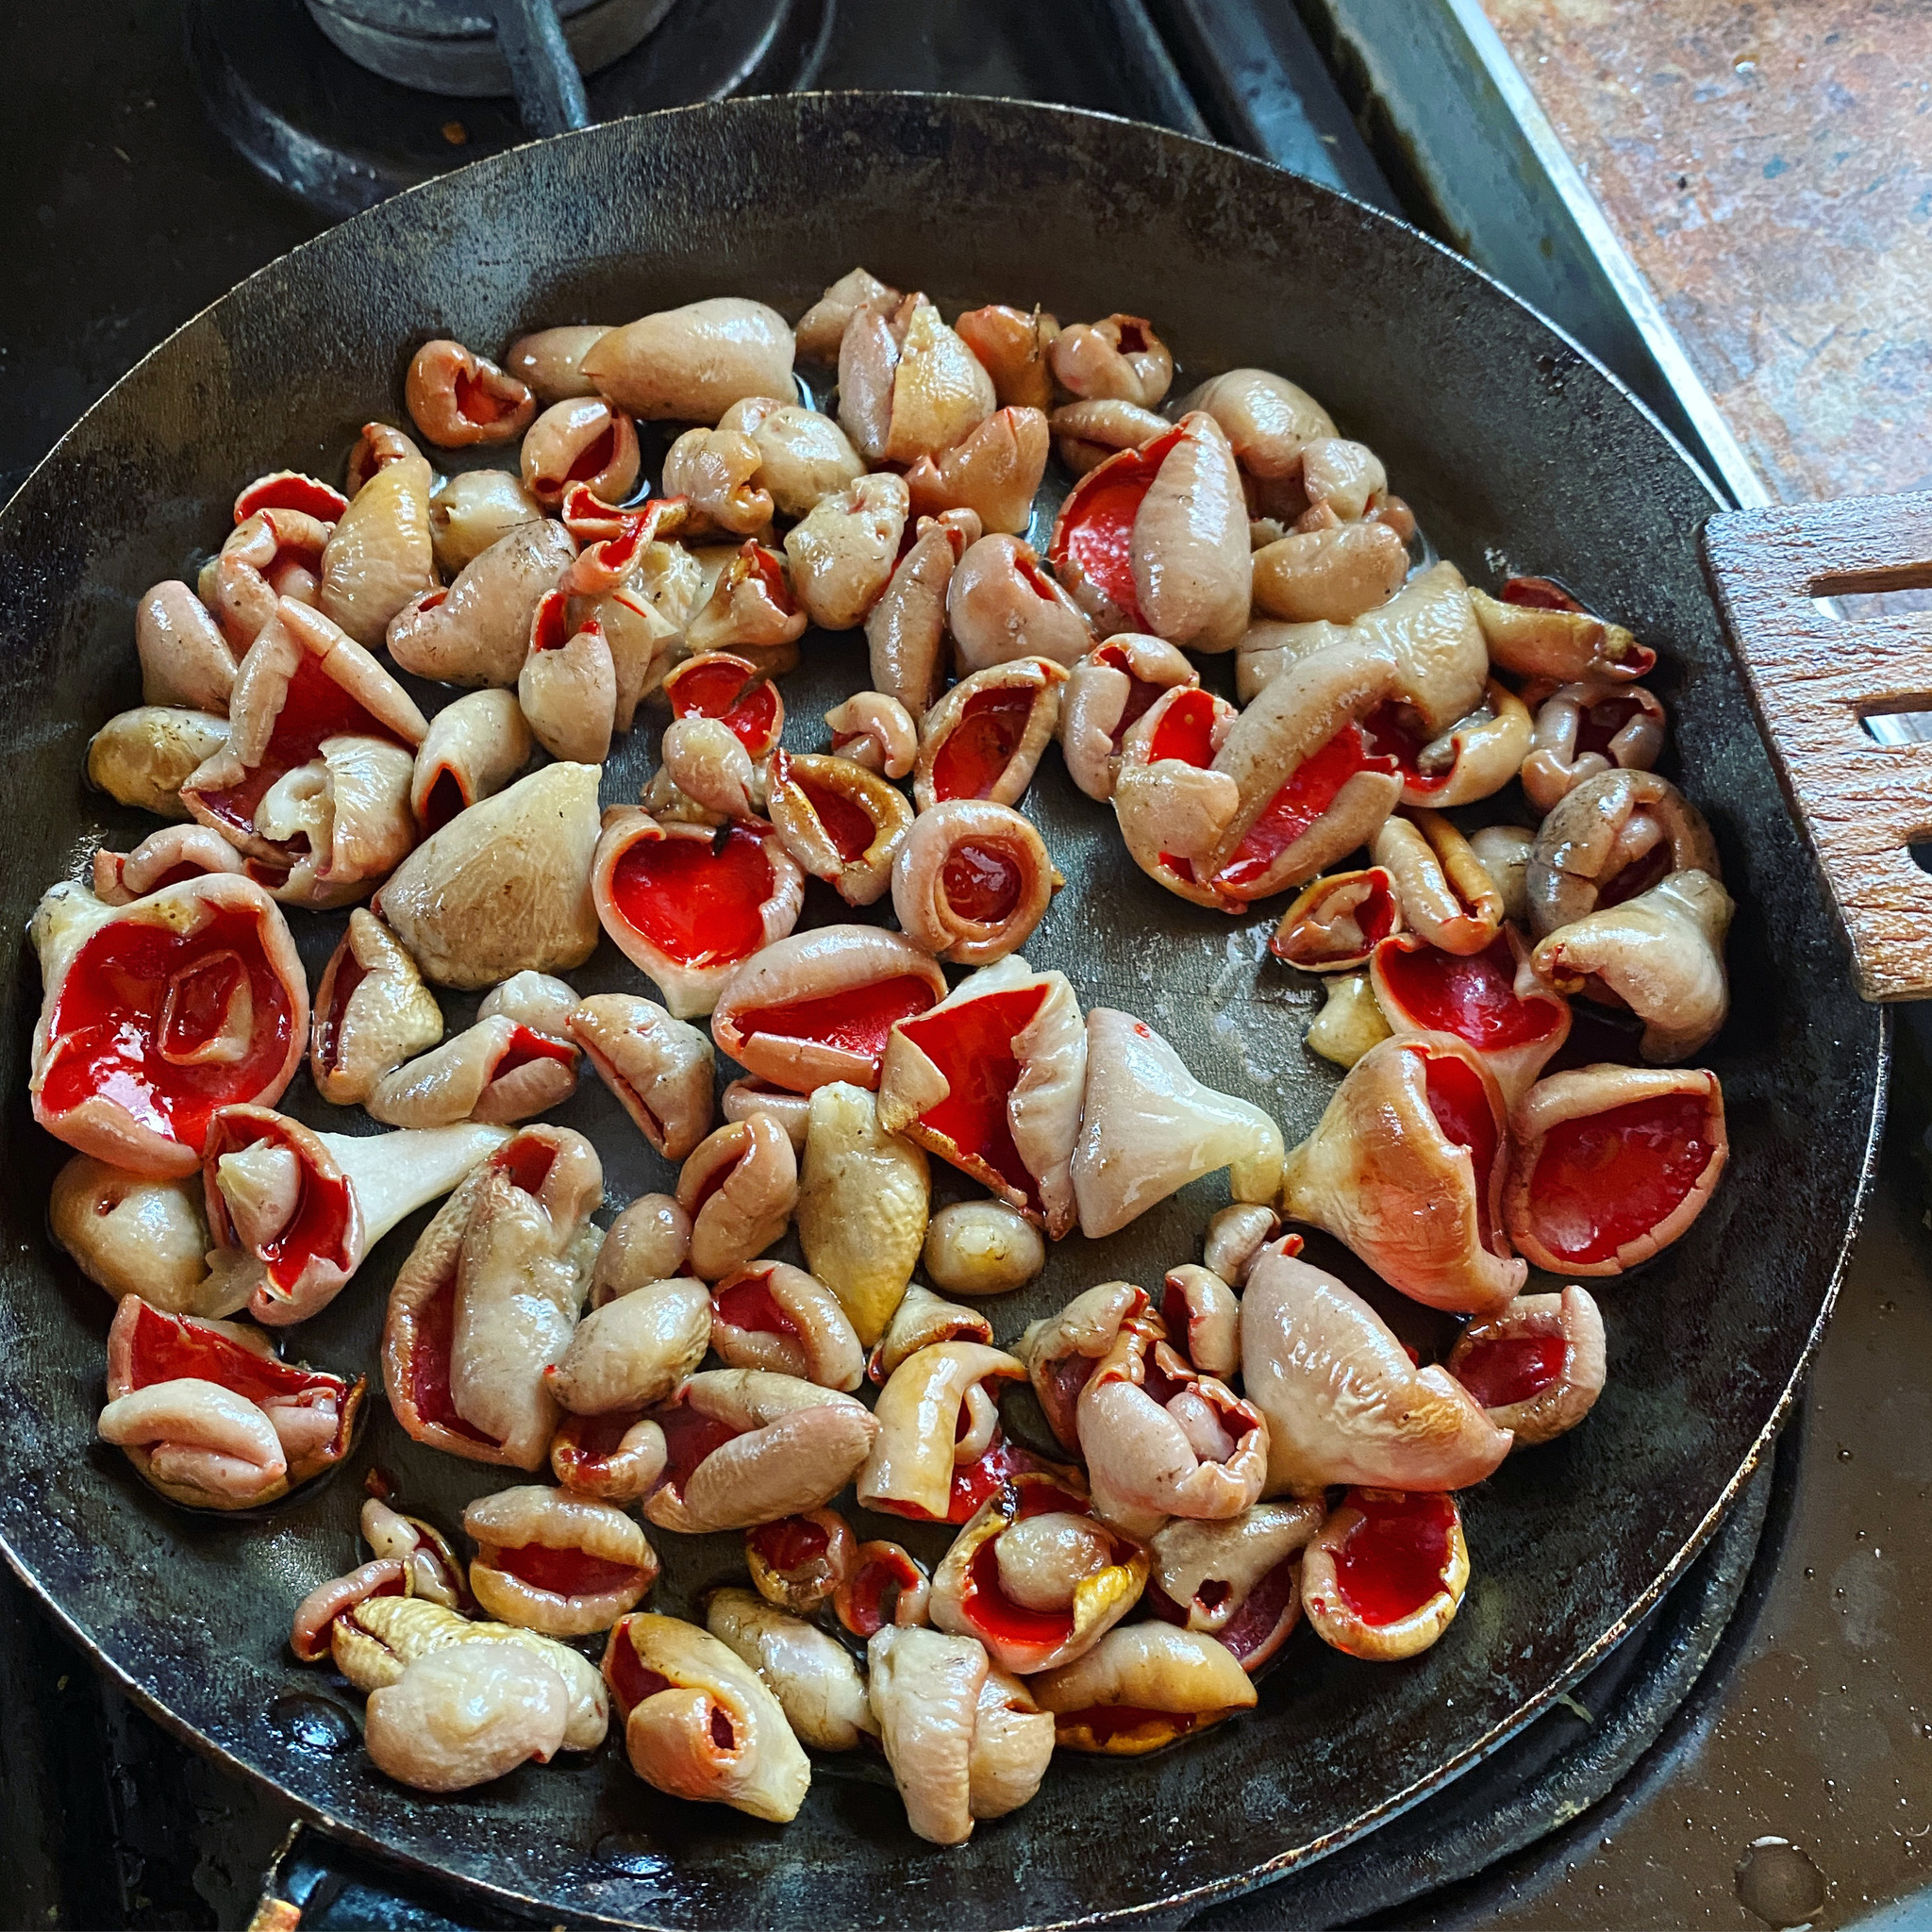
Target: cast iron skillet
(1517, 453)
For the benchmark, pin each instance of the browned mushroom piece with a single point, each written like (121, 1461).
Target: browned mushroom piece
(799, 1561)
(842, 822)
(1062, 1351)
(497, 1071)
(1085, 433)
(550, 361)
(1385, 1575)
(1203, 1315)
(922, 1319)
(971, 881)
(1002, 607)
(1012, 347)
(1328, 569)
(1584, 730)
(458, 398)
(1238, 1580)
(716, 472)
(1334, 923)
(1118, 358)
(1609, 839)
(876, 731)
(557, 1563)
(380, 553)
(1610, 1165)
(1140, 1686)
(771, 1315)
(842, 551)
(751, 606)
(476, 630)
(1445, 894)
(1542, 640)
(993, 471)
(1536, 1368)
(984, 738)
(1108, 693)
(1236, 1234)
(907, 626)
(185, 659)
(659, 1068)
(630, 1352)
(371, 1013)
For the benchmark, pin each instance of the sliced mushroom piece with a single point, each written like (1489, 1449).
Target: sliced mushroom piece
(499, 1071)
(1012, 347)
(1472, 759)
(473, 510)
(584, 439)
(907, 626)
(690, 364)
(1062, 1351)
(1350, 1022)
(1610, 1165)
(875, 731)
(984, 738)
(982, 1247)
(993, 471)
(1538, 1368)
(659, 1068)
(649, 1241)
(1108, 693)
(133, 1236)
(1584, 730)
(751, 606)
(380, 553)
(1236, 1234)
(809, 1672)
(1406, 1167)
(1610, 839)
(184, 658)
(164, 857)
(1171, 806)
(563, 1565)
(1536, 641)
(920, 1320)
(568, 684)
(738, 1184)
(1148, 1127)
(1447, 897)
(476, 632)
(1334, 923)
(716, 684)
(143, 757)
(630, 1352)
(1383, 1577)
(841, 822)
(798, 1562)
(1140, 1686)
(771, 1315)
(1086, 433)
(1002, 608)
(972, 880)
(371, 1013)
(463, 1716)
(842, 551)
(1238, 1580)
(473, 749)
(1203, 1315)
(937, 1412)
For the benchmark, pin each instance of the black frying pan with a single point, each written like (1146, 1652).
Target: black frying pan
(1517, 453)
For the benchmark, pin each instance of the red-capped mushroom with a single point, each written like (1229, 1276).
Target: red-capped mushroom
(1537, 1367)
(458, 398)
(985, 737)
(1238, 1580)
(971, 881)
(841, 822)
(1383, 1577)
(659, 1068)
(564, 1565)
(1337, 921)
(1108, 693)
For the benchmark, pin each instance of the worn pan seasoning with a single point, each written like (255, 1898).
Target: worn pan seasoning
(1517, 453)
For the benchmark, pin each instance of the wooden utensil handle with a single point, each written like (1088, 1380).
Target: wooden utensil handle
(1816, 678)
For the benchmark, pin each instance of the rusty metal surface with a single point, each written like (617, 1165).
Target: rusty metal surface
(1481, 412)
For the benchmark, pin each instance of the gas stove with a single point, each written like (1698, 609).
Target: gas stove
(178, 152)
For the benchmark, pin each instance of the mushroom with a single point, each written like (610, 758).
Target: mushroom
(689, 905)
(633, 1349)
(1384, 1577)
(751, 606)
(584, 439)
(1035, 1577)
(738, 1184)
(803, 457)
(1238, 1580)
(1406, 1167)
(568, 684)
(1350, 1022)
(842, 551)
(371, 1013)
(164, 857)
(1491, 999)
(1610, 839)
(1584, 730)
(551, 360)
(488, 1298)
(1336, 922)
(1012, 347)
(616, 1457)
(748, 1446)
(420, 1547)
(1503, 851)
(908, 386)
(699, 1721)
(1202, 1313)
(473, 749)
(883, 1583)
(861, 1205)
(716, 470)
(1535, 639)
(133, 1236)
(1345, 1401)
(1157, 540)
(789, 1111)
(458, 398)
(985, 737)
(1140, 1686)
(311, 1631)
(1002, 608)
(1660, 955)
(504, 886)
(143, 757)
(1268, 421)
(1446, 896)
(477, 630)
(1119, 359)
(982, 1247)
(291, 489)
(1170, 805)
(499, 1071)
(690, 364)
(1236, 1234)
(1610, 1165)
(993, 471)
(459, 1717)
(707, 769)
(650, 1242)
(771, 1315)
(154, 1015)
(991, 1081)
(839, 822)
(659, 1067)
(185, 659)
(473, 510)
(1536, 1368)
(822, 326)
(1325, 569)
(1108, 693)
(811, 1673)
(1086, 433)
(241, 1430)
(937, 1412)
(798, 1562)
(906, 625)
(1472, 759)
(381, 553)
(563, 1565)
(971, 881)
(876, 731)
(1148, 1127)
(1062, 1351)
(716, 684)
(965, 1740)
(820, 1006)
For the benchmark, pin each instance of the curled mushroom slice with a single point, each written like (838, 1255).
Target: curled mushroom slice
(938, 1413)
(629, 1353)
(1036, 1577)
(371, 1013)
(991, 1081)
(211, 1417)
(1536, 1368)
(715, 684)
(584, 441)
(798, 1562)
(876, 731)
(1385, 1576)
(972, 880)
(185, 659)
(883, 1583)
(985, 737)
(1204, 1316)
(133, 1236)
(659, 1068)
(690, 364)
(1238, 1580)
(1117, 358)
(1610, 1165)
(917, 388)
(476, 632)
(689, 905)
(459, 1717)
(458, 398)
(568, 684)
(1345, 1400)
(771, 1315)
(143, 757)
(790, 1111)
(312, 1627)
(861, 1205)
(908, 625)
(993, 471)
(1660, 955)
(560, 1564)
(504, 886)
(839, 822)
(982, 1247)
(1492, 999)
(1583, 730)
(1062, 1351)
(1012, 345)
(921, 1320)
(716, 470)
(1473, 759)
(738, 1186)
(421, 1548)
(1542, 640)
(1108, 693)
(1140, 1686)
(820, 1006)
(1002, 608)
(1147, 1128)
(1325, 569)
(1086, 433)
(842, 552)
(475, 510)
(164, 857)
(617, 1456)
(157, 1015)
(746, 1446)
(751, 606)
(1610, 839)
(488, 1298)
(380, 553)
(811, 1672)
(497, 1070)
(1157, 540)
(1336, 922)
(539, 1001)
(471, 750)
(1447, 895)
(1406, 1167)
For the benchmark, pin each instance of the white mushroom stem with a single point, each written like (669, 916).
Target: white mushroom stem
(393, 1174)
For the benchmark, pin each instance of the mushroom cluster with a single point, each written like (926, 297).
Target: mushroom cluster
(965, 1542)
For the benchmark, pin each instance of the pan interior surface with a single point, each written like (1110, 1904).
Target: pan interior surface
(1518, 454)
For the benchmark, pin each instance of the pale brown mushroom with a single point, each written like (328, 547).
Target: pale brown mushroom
(371, 1013)
(738, 1186)
(549, 1561)
(994, 471)
(659, 1068)
(458, 398)
(690, 364)
(476, 632)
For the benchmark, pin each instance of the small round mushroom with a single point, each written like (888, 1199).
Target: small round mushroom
(811, 1672)
(458, 398)
(631, 1352)
(1350, 1022)
(550, 361)
(1000, 606)
(659, 1068)
(1119, 358)
(972, 880)
(1609, 839)
(1204, 1317)
(1013, 347)
(474, 509)
(1384, 1577)
(459, 1717)
(738, 1186)
(771, 1315)
(798, 1562)
(1140, 1686)
(584, 441)
(1538, 1368)
(561, 1564)
(649, 1241)
(982, 1247)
